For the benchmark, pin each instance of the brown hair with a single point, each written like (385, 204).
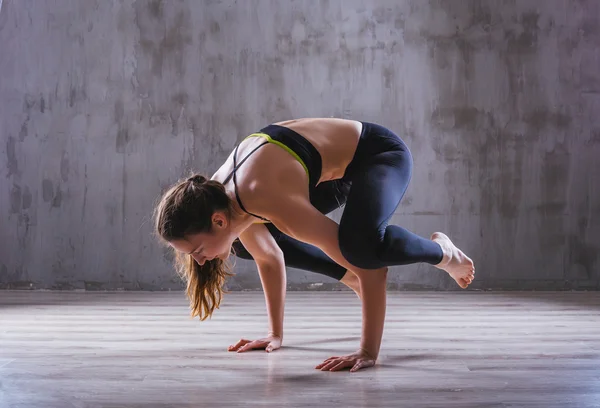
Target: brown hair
(187, 208)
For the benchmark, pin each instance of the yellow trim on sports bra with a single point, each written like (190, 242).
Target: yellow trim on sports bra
(278, 143)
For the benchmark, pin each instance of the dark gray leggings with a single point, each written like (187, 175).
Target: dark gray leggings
(371, 190)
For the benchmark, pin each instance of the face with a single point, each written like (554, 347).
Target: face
(207, 246)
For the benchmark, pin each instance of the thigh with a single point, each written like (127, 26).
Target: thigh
(330, 195)
(377, 188)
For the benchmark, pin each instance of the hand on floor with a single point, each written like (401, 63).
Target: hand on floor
(356, 361)
(268, 344)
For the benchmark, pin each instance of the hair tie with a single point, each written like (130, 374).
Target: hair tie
(197, 179)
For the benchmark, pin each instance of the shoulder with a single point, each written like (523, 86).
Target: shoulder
(269, 185)
(270, 195)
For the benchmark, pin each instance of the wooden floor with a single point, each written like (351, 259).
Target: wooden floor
(459, 349)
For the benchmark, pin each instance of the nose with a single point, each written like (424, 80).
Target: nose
(199, 259)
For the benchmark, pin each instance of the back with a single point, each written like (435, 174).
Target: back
(335, 139)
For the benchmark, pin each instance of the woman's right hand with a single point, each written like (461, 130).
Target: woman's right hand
(268, 344)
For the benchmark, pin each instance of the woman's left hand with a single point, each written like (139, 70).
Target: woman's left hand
(356, 361)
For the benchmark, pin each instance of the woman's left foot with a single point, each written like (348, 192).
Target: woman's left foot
(459, 266)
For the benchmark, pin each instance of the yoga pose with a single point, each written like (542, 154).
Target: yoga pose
(268, 202)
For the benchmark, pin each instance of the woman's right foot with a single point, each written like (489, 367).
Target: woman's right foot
(459, 266)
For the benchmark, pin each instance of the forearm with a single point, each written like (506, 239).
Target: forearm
(373, 294)
(273, 279)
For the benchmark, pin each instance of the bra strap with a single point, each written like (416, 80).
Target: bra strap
(233, 173)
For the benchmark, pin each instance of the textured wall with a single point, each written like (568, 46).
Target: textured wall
(105, 103)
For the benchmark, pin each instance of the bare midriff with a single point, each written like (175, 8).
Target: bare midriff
(335, 139)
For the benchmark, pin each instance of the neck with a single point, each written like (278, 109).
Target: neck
(240, 220)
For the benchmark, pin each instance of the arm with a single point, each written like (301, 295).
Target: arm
(271, 268)
(297, 218)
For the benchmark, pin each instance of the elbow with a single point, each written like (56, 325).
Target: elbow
(272, 259)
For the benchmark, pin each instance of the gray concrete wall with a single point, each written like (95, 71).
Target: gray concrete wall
(104, 104)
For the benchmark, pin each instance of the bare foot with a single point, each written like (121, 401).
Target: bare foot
(459, 266)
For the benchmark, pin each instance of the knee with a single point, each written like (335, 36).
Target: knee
(351, 280)
(361, 250)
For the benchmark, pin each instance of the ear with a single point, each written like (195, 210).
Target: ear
(219, 219)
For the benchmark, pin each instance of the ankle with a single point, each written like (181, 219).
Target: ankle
(446, 254)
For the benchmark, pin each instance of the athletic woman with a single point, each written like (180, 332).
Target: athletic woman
(268, 202)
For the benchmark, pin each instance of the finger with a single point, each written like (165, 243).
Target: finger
(331, 364)
(245, 347)
(330, 359)
(325, 362)
(246, 342)
(252, 345)
(327, 365)
(341, 365)
(235, 347)
(239, 344)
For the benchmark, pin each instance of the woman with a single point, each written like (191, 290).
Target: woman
(268, 201)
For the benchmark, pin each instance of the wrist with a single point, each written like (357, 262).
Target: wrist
(370, 354)
(275, 334)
